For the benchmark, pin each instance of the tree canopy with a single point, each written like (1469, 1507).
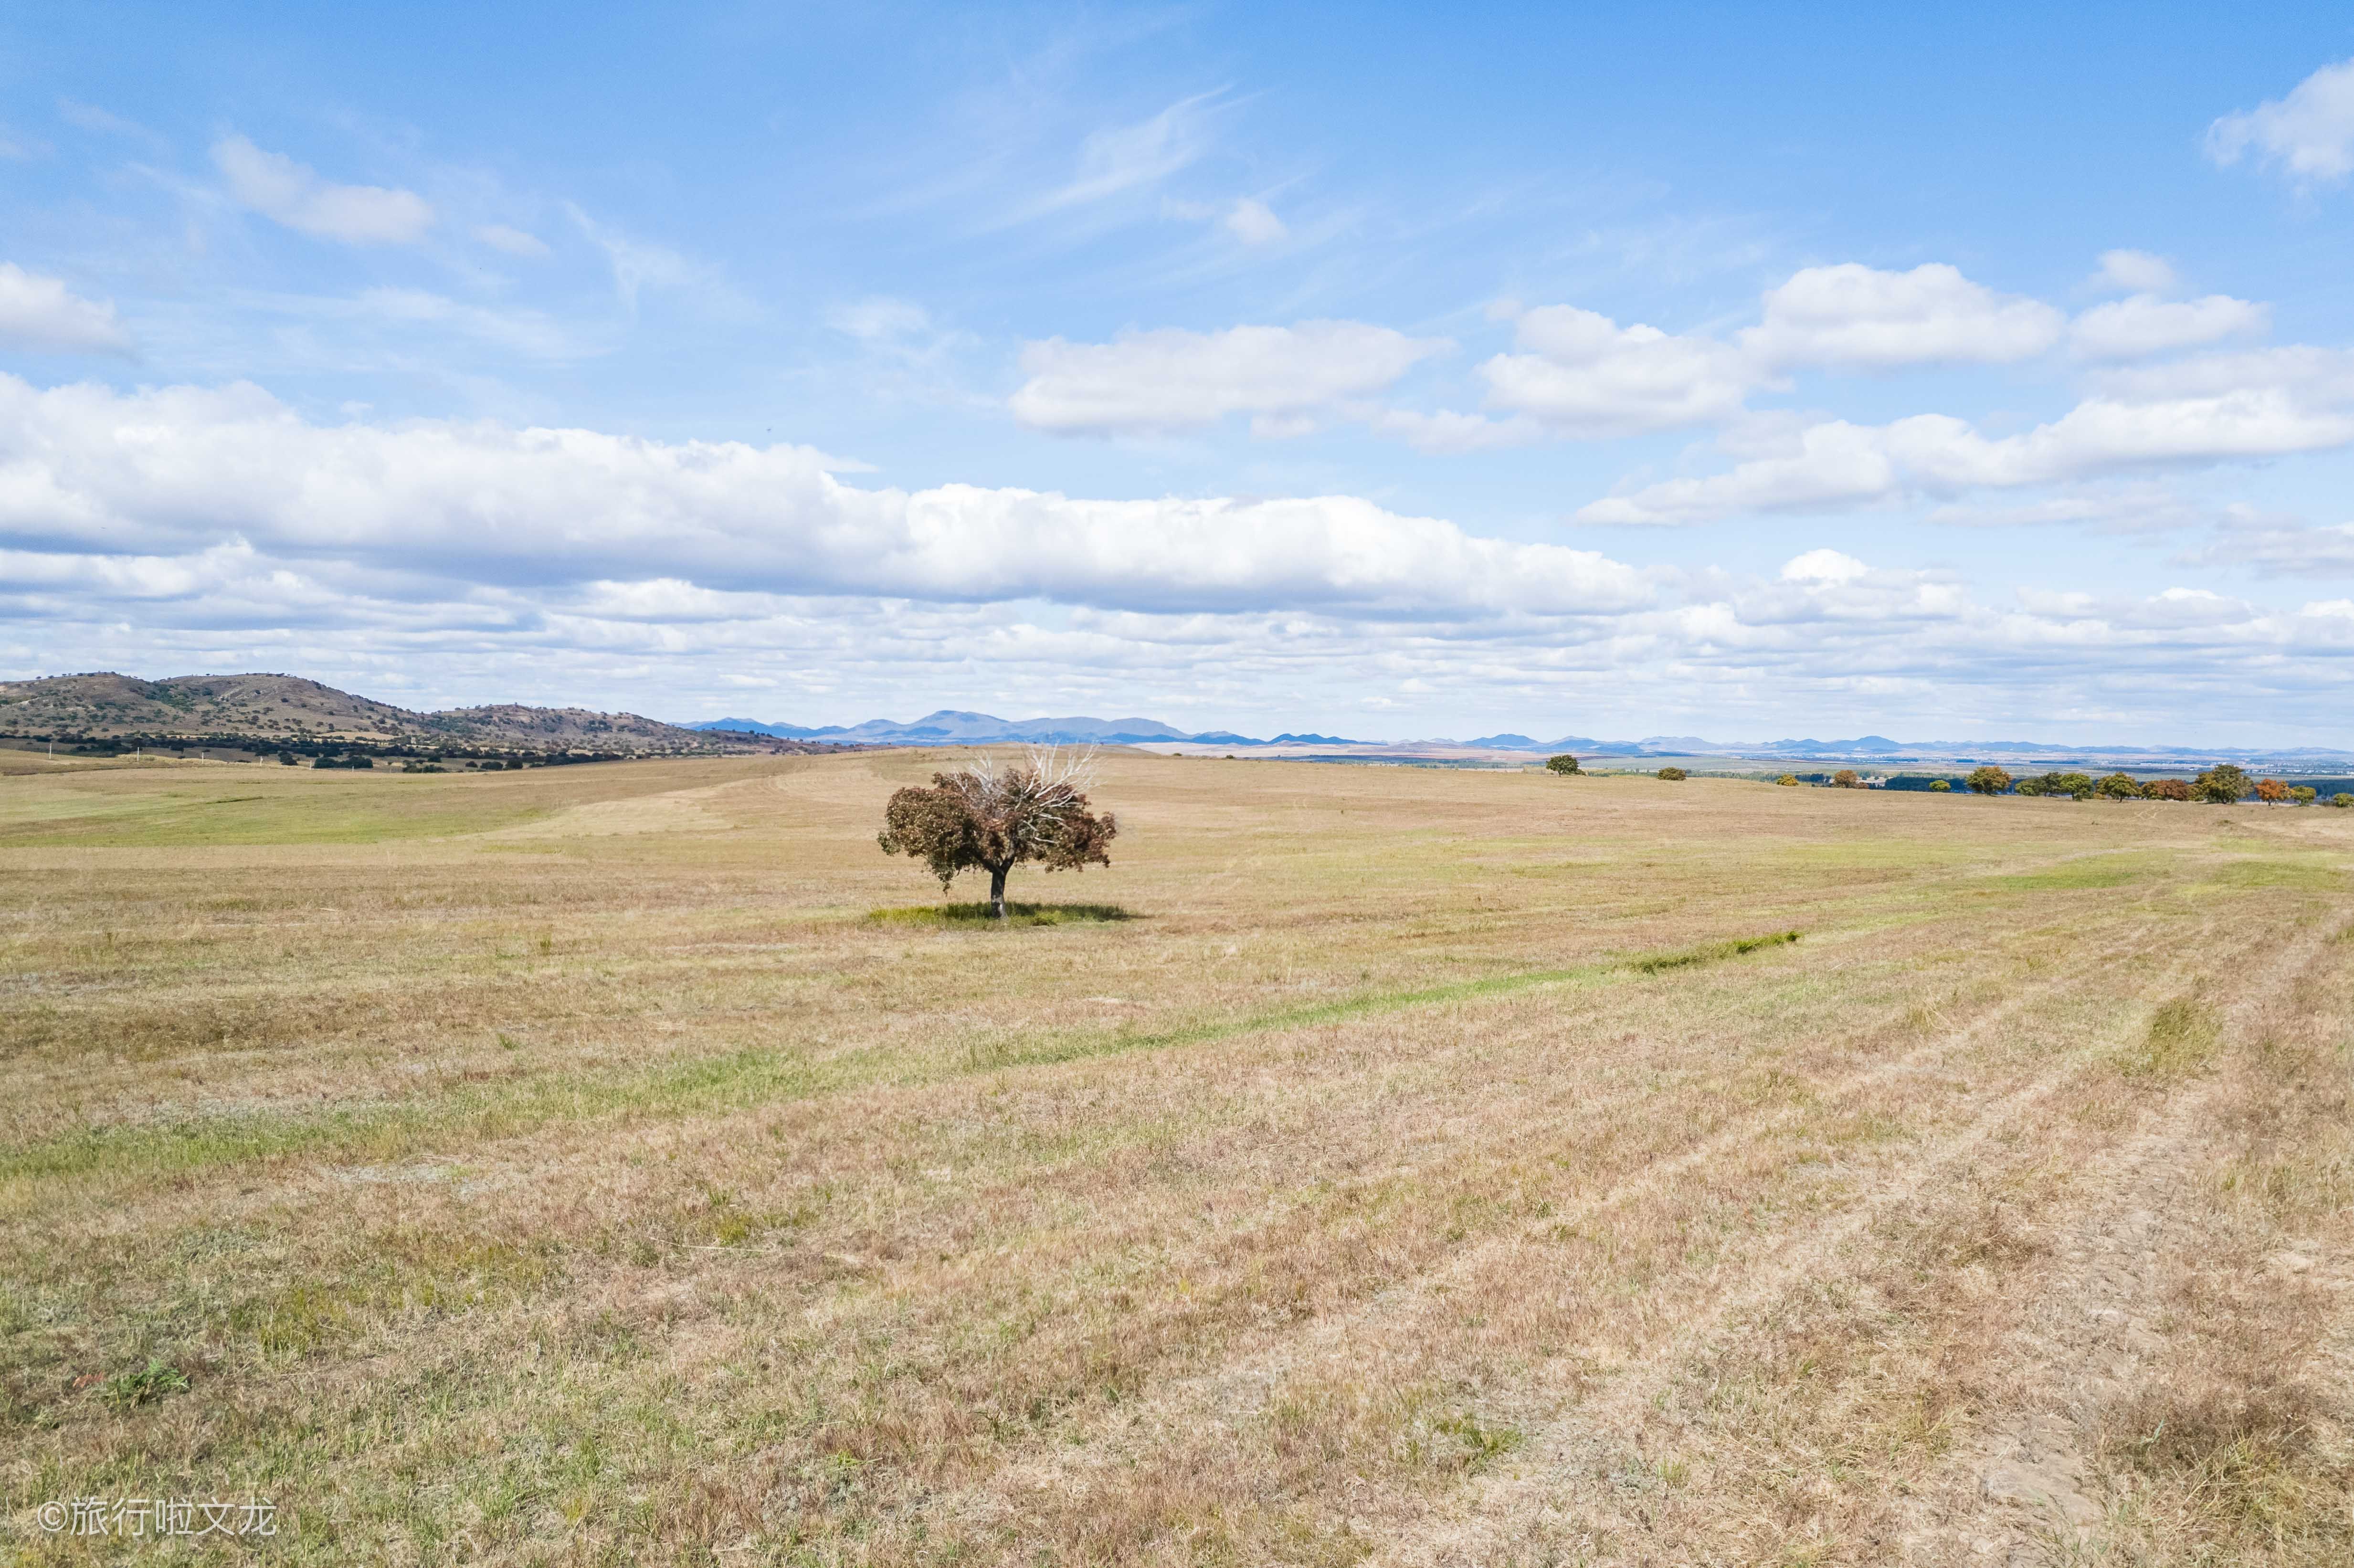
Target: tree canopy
(1988, 781)
(984, 817)
(2221, 785)
(1563, 764)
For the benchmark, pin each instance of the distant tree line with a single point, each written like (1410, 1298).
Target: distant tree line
(2222, 785)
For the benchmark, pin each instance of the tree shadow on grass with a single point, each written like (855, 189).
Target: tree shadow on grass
(963, 916)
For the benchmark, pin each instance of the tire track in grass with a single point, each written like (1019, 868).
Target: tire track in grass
(387, 1131)
(1595, 1435)
(1222, 1399)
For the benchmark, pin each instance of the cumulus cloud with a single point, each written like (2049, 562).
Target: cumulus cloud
(1856, 317)
(42, 314)
(1578, 374)
(2144, 324)
(1583, 374)
(2308, 136)
(1172, 379)
(1835, 463)
(280, 188)
(87, 469)
(2136, 272)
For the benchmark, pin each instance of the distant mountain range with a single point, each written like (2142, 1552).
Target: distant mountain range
(951, 726)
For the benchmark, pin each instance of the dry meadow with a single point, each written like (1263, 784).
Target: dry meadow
(1427, 1168)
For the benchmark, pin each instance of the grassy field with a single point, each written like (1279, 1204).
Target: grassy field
(631, 1163)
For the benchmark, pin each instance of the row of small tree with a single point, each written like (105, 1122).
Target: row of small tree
(2219, 786)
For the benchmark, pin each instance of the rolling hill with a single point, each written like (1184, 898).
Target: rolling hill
(261, 711)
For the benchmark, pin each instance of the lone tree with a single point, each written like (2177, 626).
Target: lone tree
(987, 818)
(1564, 764)
(2221, 785)
(1988, 781)
(1845, 779)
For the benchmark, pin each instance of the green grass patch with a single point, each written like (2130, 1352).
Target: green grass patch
(2310, 876)
(144, 1385)
(2183, 1037)
(2088, 872)
(1709, 953)
(971, 916)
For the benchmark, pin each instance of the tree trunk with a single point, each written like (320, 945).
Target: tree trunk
(997, 891)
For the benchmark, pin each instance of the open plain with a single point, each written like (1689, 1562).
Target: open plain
(1374, 1165)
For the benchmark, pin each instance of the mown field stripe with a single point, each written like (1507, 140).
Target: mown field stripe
(733, 1081)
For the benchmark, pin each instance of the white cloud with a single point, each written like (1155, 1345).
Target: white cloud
(40, 313)
(2144, 324)
(1823, 566)
(1835, 463)
(278, 188)
(2135, 272)
(2309, 134)
(1583, 374)
(1856, 317)
(1252, 223)
(89, 469)
(1172, 379)
(513, 241)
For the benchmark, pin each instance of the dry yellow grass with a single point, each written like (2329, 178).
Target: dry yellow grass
(567, 1166)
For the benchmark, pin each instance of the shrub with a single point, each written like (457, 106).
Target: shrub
(2221, 785)
(1563, 765)
(2304, 794)
(2119, 786)
(1940, 786)
(1988, 781)
(1788, 780)
(1845, 779)
(2342, 800)
(2167, 790)
(1674, 775)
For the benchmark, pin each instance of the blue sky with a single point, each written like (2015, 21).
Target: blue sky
(1739, 371)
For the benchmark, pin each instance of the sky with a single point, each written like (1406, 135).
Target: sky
(1385, 371)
